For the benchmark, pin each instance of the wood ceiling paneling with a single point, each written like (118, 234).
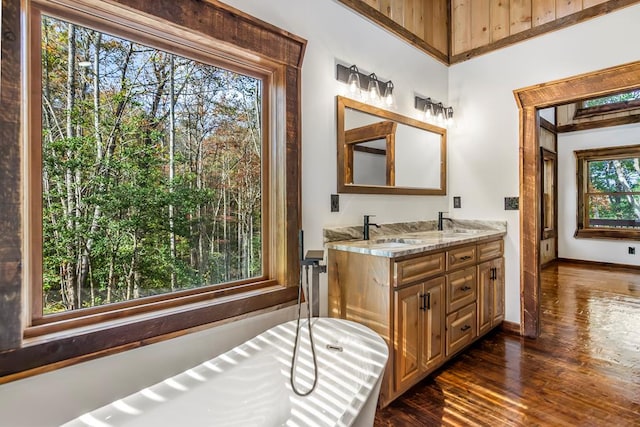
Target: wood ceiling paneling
(456, 30)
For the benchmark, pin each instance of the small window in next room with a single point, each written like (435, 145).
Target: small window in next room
(611, 104)
(609, 192)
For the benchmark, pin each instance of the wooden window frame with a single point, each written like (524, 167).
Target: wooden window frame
(583, 157)
(229, 38)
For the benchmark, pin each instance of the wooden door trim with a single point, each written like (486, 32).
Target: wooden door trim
(530, 100)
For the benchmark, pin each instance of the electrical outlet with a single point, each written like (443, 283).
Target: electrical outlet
(457, 202)
(335, 203)
(511, 203)
(632, 250)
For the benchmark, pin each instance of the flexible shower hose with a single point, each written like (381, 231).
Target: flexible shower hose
(296, 343)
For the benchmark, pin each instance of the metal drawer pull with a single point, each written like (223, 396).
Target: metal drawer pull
(465, 328)
(465, 258)
(465, 288)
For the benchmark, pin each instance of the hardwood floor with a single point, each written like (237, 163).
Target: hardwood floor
(584, 369)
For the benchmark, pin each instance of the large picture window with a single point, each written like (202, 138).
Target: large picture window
(609, 192)
(151, 170)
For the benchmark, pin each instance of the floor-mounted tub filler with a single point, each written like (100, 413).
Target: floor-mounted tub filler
(250, 384)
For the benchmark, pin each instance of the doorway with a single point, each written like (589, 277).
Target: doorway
(530, 100)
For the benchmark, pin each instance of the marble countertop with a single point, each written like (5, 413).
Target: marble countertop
(397, 240)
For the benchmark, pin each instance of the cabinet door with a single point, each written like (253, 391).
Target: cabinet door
(407, 332)
(433, 338)
(485, 296)
(498, 291)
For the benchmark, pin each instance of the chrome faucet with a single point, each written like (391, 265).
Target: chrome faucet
(367, 224)
(441, 219)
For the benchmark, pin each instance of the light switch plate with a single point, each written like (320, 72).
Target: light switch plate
(457, 202)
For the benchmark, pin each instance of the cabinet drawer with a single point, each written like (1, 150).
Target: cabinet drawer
(490, 250)
(461, 328)
(461, 288)
(416, 269)
(461, 257)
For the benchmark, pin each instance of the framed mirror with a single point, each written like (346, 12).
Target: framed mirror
(382, 152)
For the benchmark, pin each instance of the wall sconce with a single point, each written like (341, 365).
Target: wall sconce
(433, 110)
(367, 86)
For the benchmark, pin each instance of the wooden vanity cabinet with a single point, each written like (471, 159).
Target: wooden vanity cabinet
(427, 306)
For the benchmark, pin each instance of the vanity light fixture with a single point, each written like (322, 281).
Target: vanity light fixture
(434, 110)
(366, 86)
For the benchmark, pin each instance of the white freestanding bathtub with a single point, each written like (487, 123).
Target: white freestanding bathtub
(249, 385)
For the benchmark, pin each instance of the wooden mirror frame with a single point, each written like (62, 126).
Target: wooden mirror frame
(345, 153)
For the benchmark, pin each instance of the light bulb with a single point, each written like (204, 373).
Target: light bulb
(374, 94)
(374, 88)
(353, 86)
(388, 93)
(428, 110)
(440, 116)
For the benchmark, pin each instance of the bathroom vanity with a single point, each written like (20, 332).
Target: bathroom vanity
(428, 293)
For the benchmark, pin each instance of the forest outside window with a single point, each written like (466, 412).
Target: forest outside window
(609, 192)
(151, 171)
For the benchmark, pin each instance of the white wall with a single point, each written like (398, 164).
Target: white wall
(334, 34)
(613, 251)
(483, 148)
